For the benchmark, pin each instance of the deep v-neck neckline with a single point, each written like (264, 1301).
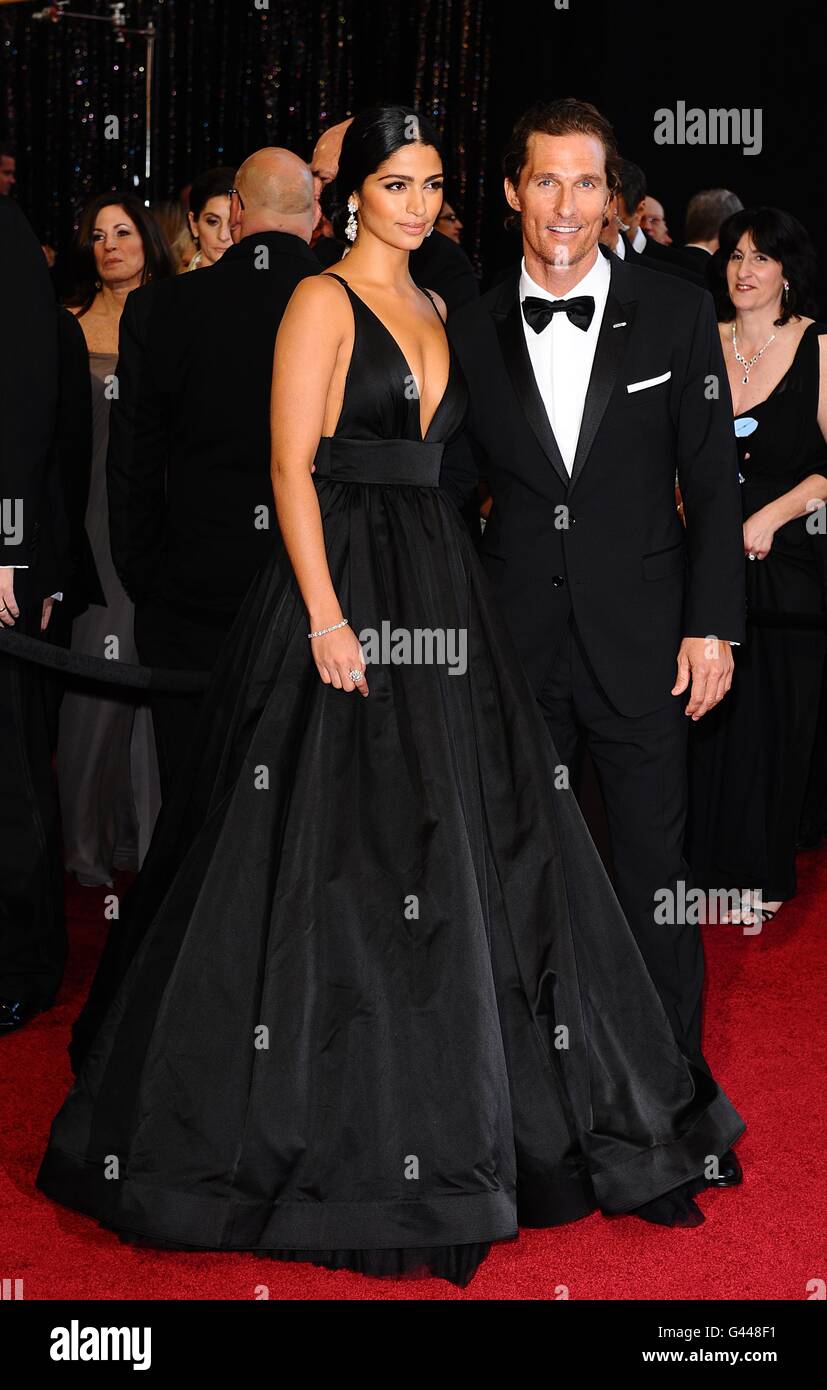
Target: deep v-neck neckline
(744, 414)
(422, 435)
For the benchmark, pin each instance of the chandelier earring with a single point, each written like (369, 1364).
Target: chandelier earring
(350, 226)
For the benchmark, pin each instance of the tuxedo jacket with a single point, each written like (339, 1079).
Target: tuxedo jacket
(29, 376)
(665, 258)
(698, 257)
(675, 260)
(188, 464)
(607, 543)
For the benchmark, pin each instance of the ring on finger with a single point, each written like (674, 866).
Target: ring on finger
(356, 676)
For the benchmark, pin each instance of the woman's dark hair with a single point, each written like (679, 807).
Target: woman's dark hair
(213, 183)
(781, 237)
(159, 263)
(371, 138)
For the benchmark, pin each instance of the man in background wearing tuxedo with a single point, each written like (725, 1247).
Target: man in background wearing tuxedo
(705, 214)
(592, 382)
(32, 571)
(631, 198)
(188, 469)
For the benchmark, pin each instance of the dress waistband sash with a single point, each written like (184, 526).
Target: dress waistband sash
(400, 461)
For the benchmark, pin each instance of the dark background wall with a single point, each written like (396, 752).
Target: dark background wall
(231, 77)
(631, 59)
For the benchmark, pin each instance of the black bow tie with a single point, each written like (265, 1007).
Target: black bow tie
(539, 312)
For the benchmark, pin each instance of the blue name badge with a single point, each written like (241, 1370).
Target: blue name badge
(744, 426)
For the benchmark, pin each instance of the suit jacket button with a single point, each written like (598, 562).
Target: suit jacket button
(558, 581)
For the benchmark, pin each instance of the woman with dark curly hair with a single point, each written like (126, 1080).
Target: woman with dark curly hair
(105, 755)
(750, 757)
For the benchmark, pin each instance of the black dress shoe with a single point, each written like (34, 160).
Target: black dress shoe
(730, 1172)
(674, 1208)
(14, 1013)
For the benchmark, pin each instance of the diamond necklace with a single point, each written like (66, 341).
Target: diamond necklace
(748, 365)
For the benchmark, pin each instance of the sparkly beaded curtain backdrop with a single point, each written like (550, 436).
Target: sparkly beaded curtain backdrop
(230, 76)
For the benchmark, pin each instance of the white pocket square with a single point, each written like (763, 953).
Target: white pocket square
(652, 381)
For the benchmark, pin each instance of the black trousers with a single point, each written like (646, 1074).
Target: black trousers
(167, 637)
(32, 923)
(642, 771)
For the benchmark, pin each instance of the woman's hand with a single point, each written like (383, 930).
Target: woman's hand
(759, 533)
(335, 655)
(8, 608)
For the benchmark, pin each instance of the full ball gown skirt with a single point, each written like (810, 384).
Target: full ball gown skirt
(378, 1002)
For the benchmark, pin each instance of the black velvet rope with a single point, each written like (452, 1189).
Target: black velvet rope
(151, 678)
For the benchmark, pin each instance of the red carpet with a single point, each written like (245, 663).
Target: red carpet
(765, 1041)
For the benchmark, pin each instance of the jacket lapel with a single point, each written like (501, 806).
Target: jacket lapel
(612, 342)
(507, 315)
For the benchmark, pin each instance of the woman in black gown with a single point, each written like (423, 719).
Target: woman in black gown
(379, 1001)
(750, 760)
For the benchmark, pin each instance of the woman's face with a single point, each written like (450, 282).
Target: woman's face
(117, 247)
(212, 228)
(400, 201)
(448, 223)
(754, 280)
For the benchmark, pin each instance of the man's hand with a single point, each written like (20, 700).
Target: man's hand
(708, 661)
(8, 608)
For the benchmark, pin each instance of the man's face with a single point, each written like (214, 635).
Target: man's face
(7, 174)
(610, 233)
(324, 161)
(562, 196)
(653, 222)
(631, 217)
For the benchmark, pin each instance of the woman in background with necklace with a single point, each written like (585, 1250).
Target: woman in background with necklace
(750, 759)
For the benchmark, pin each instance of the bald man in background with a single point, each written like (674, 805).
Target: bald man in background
(190, 500)
(324, 166)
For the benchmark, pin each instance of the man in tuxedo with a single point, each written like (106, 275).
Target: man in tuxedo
(32, 929)
(190, 498)
(705, 212)
(631, 198)
(593, 382)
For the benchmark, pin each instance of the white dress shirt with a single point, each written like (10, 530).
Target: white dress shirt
(562, 355)
(638, 244)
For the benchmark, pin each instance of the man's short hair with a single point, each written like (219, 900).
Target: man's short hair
(567, 116)
(707, 210)
(632, 184)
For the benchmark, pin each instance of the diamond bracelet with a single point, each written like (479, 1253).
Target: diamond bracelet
(323, 630)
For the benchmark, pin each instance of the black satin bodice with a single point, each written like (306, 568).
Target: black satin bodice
(378, 436)
(782, 446)
(784, 443)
